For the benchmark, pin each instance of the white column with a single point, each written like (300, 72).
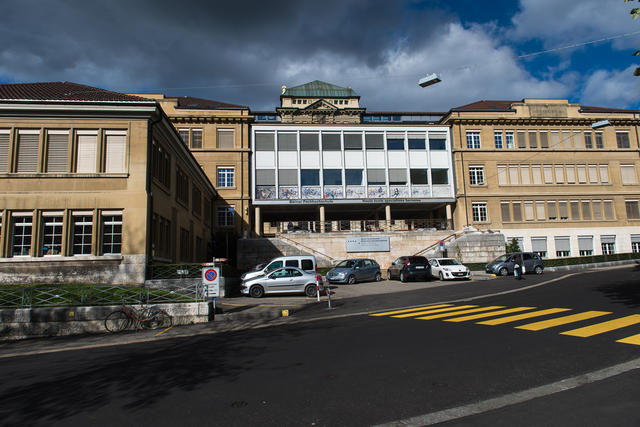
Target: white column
(258, 220)
(322, 230)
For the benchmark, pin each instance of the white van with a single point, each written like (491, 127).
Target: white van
(303, 262)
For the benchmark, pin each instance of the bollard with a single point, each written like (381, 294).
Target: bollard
(329, 296)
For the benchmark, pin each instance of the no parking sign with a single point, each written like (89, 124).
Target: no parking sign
(211, 281)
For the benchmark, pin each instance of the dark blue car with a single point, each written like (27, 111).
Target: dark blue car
(354, 270)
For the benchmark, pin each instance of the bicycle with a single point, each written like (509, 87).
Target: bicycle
(142, 318)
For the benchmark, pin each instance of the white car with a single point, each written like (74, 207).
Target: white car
(449, 268)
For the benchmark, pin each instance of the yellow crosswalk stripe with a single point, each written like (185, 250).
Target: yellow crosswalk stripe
(517, 317)
(389, 313)
(456, 313)
(634, 339)
(537, 326)
(491, 314)
(439, 310)
(599, 328)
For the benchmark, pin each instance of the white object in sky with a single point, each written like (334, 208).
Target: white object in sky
(429, 80)
(601, 124)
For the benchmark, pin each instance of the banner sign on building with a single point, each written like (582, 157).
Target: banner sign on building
(368, 244)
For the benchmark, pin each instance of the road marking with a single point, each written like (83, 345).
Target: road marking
(634, 339)
(599, 328)
(517, 317)
(440, 310)
(456, 313)
(388, 313)
(483, 315)
(537, 326)
(515, 398)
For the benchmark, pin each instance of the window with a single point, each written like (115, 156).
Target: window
(552, 211)
(585, 245)
(116, 147)
(353, 141)
(566, 139)
(376, 177)
(635, 243)
(508, 137)
(82, 233)
(502, 175)
(608, 209)
(514, 178)
(182, 186)
(287, 142)
(419, 176)
(582, 174)
(517, 211)
(310, 142)
(596, 205)
(571, 174)
(555, 139)
(533, 139)
(196, 201)
(632, 209)
(522, 139)
(497, 139)
(185, 245)
(417, 141)
(22, 228)
(439, 176)
(608, 244)
(87, 151)
(476, 175)
(505, 210)
(528, 211)
(599, 140)
(563, 246)
(436, 143)
(184, 134)
(537, 175)
(27, 156)
(540, 212)
(225, 138)
(395, 141)
(288, 177)
(544, 139)
(525, 175)
(353, 176)
(604, 174)
(588, 140)
(397, 176)
(622, 138)
(559, 174)
(225, 177)
(225, 216)
(563, 210)
(161, 164)
(473, 139)
(593, 174)
(586, 210)
(548, 174)
(52, 233)
(539, 246)
(479, 212)
(196, 138)
(332, 176)
(57, 151)
(374, 141)
(5, 138)
(111, 232)
(264, 141)
(575, 210)
(309, 177)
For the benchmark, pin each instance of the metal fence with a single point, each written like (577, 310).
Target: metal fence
(281, 227)
(90, 295)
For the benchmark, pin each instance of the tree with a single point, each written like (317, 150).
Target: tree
(512, 247)
(635, 13)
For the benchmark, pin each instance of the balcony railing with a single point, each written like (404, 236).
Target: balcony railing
(355, 226)
(316, 192)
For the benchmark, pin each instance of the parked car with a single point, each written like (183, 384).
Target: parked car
(503, 265)
(303, 262)
(410, 267)
(449, 268)
(283, 280)
(354, 270)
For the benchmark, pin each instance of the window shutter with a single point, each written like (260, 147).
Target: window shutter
(116, 150)
(585, 243)
(287, 142)
(309, 141)
(288, 177)
(375, 175)
(398, 176)
(225, 138)
(513, 175)
(608, 209)
(265, 177)
(539, 244)
(563, 243)
(540, 211)
(628, 174)
(57, 151)
(353, 141)
(528, 211)
(28, 152)
(524, 173)
(506, 211)
(608, 239)
(582, 174)
(4, 150)
(502, 175)
(604, 174)
(563, 209)
(87, 153)
(571, 174)
(264, 141)
(548, 174)
(537, 176)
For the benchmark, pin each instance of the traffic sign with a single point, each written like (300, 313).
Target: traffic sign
(211, 281)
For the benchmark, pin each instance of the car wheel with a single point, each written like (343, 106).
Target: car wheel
(310, 290)
(351, 280)
(403, 278)
(378, 277)
(504, 272)
(441, 276)
(388, 275)
(256, 291)
(537, 270)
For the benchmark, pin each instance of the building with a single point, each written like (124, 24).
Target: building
(561, 178)
(95, 186)
(321, 164)
(217, 134)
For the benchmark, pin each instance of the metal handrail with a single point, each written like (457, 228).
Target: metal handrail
(308, 248)
(433, 245)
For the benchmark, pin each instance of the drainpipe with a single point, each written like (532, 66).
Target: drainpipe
(148, 186)
(464, 181)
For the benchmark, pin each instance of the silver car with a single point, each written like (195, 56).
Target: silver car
(283, 281)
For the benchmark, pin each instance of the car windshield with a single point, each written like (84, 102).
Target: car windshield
(347, 263)
(501, 258)
(448, 262)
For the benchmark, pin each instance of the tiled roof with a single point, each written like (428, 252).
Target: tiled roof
(188, 102)
(585, 109)
(318, 89)
(61, 92)
(486, 106)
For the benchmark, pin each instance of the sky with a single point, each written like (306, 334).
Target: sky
(244, 52)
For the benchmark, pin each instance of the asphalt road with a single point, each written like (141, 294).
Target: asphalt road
(358, 369)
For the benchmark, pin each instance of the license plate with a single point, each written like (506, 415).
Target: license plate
(419, 267)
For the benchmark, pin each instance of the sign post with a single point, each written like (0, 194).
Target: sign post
(211, 284)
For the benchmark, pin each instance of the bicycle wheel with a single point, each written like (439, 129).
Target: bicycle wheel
(117, 321)
(157, 319)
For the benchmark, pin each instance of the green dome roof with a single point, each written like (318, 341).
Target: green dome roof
(318, 89)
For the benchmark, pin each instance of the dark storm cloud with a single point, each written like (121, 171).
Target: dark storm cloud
(170, 46)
